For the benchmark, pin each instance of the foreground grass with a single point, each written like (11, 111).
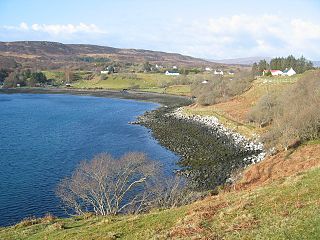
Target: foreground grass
(285, 209)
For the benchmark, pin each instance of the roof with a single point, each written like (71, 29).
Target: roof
(287, 70)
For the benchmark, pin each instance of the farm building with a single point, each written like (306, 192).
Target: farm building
(289, 72)
(171, 73)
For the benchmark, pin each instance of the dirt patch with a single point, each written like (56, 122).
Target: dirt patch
(281, 165)
(192, 225)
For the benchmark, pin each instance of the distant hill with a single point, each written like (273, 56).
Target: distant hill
(56, 53)
(250, 61)
(241, 61)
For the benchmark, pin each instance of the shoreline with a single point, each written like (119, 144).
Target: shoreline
(163, 99)
(211, 153)
(236, 138)
(202, 142)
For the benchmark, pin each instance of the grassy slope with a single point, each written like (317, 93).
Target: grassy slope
(286, 208)
(233, 112)
(147, 82)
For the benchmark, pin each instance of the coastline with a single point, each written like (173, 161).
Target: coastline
(209, 152)
(163, 99)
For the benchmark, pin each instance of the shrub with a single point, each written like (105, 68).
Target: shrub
(264, 111)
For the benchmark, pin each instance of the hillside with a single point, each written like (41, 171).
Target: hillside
(285, 207)
(242, 61)
(53, 53)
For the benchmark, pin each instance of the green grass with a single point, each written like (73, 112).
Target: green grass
(285, 209)
(126, 227)
(144, 82)
(312, 142)
(56, 75)
(120, 81)
(280, 79)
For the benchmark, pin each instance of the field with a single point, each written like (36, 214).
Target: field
(140, 81)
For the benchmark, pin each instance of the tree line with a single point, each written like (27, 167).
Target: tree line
(300, 65)
(22, 78)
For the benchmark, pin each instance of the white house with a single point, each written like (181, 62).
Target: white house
(172, 73)
(218, 72)
(105, 72)
(208, 69)
(231, 72)
(205, 81)
(289, 72)
(174, 67)
(276, 72)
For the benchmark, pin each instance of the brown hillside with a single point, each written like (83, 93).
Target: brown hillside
(51, 53)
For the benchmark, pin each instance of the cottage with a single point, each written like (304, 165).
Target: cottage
(171, 73)
(276, 72)
(205, 81)
(110, 69)
(218, 72)
(289, 72)
(208, 69)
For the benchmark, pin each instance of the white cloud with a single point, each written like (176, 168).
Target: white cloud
(21, 27)
(243, 35)
(57, 29)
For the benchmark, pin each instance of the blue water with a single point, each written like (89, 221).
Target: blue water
(43, 138)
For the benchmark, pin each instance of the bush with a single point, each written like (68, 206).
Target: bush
(264, 111)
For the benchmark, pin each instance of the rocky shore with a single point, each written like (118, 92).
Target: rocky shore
(210, 153)
(235, 138)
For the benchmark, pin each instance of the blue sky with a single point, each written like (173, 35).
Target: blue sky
(201, 28)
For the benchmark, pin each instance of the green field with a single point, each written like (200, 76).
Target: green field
(147, 82)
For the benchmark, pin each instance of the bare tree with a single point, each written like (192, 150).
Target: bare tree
(109, 186)
(173, 191)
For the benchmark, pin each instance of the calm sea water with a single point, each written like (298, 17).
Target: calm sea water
(43, 138)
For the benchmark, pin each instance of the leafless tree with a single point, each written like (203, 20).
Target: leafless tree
(173, 191)
(107, 186)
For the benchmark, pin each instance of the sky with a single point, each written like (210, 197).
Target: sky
(201, 28)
